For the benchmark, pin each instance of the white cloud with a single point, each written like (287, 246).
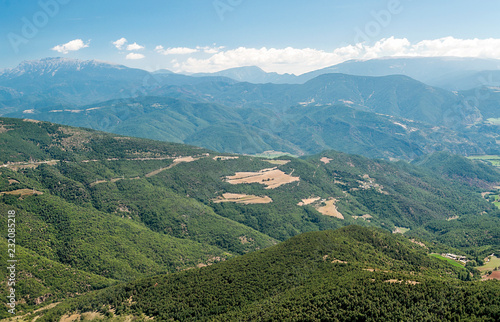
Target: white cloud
(301, 60)
(176, 50)
(209, 50)
(134, 46)
(134, 56)
(120, 43)
(73, 45)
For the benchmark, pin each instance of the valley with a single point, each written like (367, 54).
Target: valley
(323, 196)
(167, 207)
(383, 116)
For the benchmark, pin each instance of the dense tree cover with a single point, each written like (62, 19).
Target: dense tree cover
(102, 208)
(456, 167)
(40, 281)
(390, 117)
(23, 140)
(344, 274)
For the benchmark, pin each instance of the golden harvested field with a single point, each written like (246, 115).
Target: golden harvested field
(243, 199)
(325, 160)
(272, 178)
(277, 162)
(22, 192)
(329, 209)
(308, 201)
(176, 162)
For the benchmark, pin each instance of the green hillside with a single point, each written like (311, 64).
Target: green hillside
(41, 280)
(352, 273)
(274, 124)
(118, 208)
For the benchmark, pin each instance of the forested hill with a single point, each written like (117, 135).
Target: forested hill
(110, 208)
(350, 274)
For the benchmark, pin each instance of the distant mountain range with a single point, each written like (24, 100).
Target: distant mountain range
(452, 73)
(115, 227)
(254, 74)
(391, 116)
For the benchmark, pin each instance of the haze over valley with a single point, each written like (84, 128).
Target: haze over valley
(250, 161)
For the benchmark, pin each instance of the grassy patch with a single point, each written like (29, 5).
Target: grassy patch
(449, 260)
(492, 159)
(274, 154)
(491, 265)
(400, 230)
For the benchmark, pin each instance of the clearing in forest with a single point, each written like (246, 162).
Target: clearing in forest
(329, 209)
(308, 201)
(176, 162)
(22, 192)
(490, 263)
(272, 178)
(365, 217)
(224, 158)
(325, 160)
(494, 276)
(242, 198)
(400, 230)
(277, 162)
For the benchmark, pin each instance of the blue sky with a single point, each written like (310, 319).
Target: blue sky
(198, 35)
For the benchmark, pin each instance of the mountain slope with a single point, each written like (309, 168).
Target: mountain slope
(300, 129)
(41, 280)
(108, 172)
(62, 83)
(348, 274)
(229, 116)
(394, 95)
(125, 208)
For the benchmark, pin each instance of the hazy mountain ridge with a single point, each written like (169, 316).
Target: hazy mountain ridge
(452, 73)
(298, 130)
(257, 117)
(253, 74)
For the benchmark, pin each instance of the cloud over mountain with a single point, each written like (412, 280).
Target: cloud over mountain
(134, 56)
(301, 60)
(72, 45)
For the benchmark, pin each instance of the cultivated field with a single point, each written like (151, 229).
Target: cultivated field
(400, 230)
(490, 263)
(277, 162)
(242, 198)
(329, 209)
(325, 160)
(494, 276)
(272, 178)
(449, 260)
(492, 159)
(22, 192)
(308, 201)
